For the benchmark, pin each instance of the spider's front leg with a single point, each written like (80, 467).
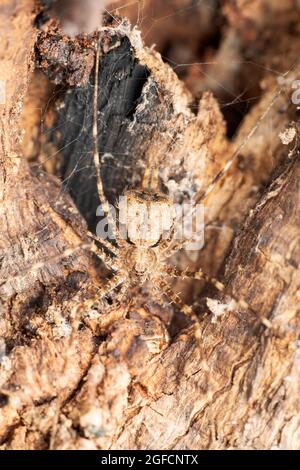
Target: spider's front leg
(79, 306)
(109, 246)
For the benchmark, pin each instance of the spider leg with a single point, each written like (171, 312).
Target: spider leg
(174, 298)
(237, 152)
(174, 272)
(66, 228)
(78, 306)
(109, 246)
(104, 290)
(175, 240)
(120, 295)
(157, 297)
(96, 155)
(175, 244)
(150, 179)
(108, 260)
(165, 243)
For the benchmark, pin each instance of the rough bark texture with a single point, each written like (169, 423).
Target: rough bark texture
(134, 376)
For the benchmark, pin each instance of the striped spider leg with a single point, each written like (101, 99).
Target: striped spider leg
(173, 244)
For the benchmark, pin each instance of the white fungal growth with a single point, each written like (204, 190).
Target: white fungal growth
(218, 309)
(288, 135)
(61, 327)
(92, 420)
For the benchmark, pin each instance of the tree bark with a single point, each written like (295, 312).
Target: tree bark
(133, 376)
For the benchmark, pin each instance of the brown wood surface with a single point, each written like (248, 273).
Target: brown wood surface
(134, 376)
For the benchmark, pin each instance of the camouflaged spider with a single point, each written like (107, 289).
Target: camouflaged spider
(143, 255)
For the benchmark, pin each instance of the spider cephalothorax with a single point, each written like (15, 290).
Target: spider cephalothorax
(141, 260)
(146, 218)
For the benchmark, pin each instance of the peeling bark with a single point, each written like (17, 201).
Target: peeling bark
(133, 375)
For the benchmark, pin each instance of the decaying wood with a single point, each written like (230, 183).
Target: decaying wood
(134, 376)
